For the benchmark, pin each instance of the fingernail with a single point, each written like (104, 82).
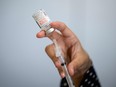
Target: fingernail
(62, 75)
(57, 64)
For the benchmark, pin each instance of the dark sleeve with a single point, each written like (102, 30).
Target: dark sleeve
(90, 79)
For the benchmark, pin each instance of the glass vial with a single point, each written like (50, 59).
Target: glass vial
(43, 21)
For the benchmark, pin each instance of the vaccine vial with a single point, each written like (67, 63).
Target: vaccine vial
(43, 21)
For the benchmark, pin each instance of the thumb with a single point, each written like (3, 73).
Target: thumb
(71, 69)
(74, 66)
(79, 66)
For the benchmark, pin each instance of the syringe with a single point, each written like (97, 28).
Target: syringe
(43, 21)
(58, 53)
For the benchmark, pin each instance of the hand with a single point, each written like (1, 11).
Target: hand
(77, 59)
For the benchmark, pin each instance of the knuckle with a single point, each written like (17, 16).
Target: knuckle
(47, 48)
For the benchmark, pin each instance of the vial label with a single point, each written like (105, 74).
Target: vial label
(42, 20)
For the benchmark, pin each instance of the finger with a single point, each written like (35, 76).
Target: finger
(71, 69)
(50, 52)
(40, 34)
(60, 69)
(62, 28)
(75, 64)
(79, 65)
(55, 35)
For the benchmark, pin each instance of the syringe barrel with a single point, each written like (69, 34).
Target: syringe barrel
(68, 77)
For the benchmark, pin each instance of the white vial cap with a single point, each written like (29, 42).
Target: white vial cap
(49, 31)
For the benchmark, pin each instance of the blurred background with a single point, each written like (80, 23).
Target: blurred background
(23, 62)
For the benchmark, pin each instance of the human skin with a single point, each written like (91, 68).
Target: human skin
(77, 59)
